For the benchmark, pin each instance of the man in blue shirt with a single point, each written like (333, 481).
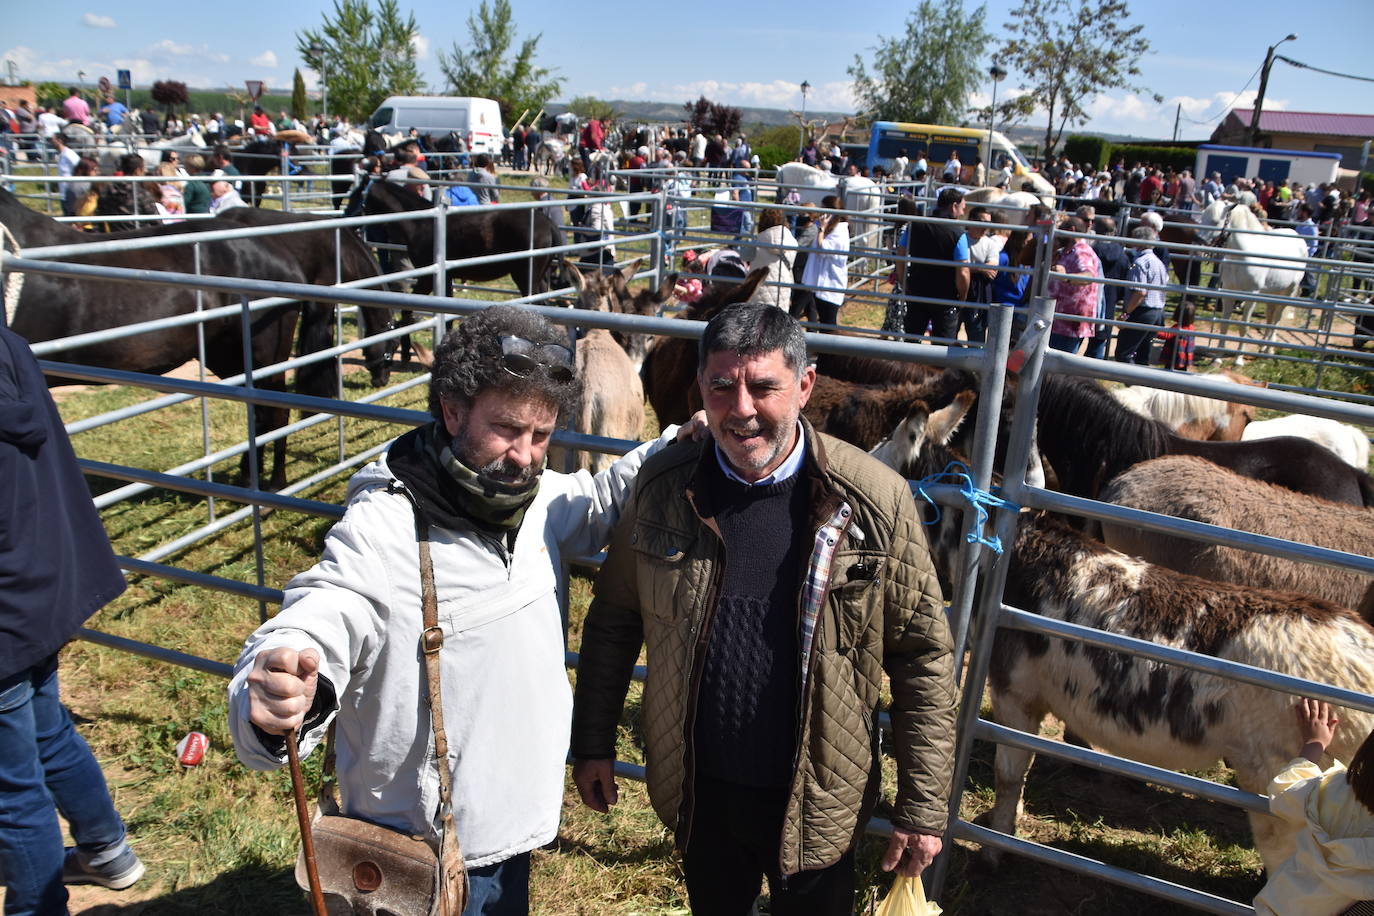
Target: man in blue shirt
(948, 282)
(1144, 305)
(114, 112)
(1308, 230)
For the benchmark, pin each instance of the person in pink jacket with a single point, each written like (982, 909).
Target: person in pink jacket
(1076, 265)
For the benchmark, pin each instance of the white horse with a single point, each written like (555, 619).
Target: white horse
(551, 154)
(811, 184)
(1348, 442)
(1243, 272)
(1015, 205)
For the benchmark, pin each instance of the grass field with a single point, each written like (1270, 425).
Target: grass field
(221, 839)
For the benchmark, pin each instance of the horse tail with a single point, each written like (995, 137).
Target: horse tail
(320, 378)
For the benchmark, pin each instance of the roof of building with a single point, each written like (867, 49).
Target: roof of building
(1309, 122)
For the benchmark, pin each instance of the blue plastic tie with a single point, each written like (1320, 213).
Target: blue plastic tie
(980, 500)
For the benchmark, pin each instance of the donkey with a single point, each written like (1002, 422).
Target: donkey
(1195, 489)
(612, 399)
(646, 302)
(1162, 715)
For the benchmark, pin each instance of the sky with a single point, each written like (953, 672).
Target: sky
(1203, 55)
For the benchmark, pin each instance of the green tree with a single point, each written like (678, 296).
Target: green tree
(490, 69)
(369, 54)
(1070, 50)
(927, 74)
(300, 103)
(50, 94)
(587, 107)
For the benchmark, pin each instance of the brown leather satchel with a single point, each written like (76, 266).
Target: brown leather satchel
(368, 870)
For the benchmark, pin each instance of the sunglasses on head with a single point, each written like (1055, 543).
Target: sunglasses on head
(521, 357)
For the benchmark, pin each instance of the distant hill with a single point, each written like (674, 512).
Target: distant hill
(669, 112)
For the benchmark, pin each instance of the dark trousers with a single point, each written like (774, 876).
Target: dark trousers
(734, 843)
(829, 312)
(943, 319)
(1133, 344)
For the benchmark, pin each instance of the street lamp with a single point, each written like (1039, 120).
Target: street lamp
(81, 78)
(1264, 84)
(317, 51)
(997, 74)
(805, 88)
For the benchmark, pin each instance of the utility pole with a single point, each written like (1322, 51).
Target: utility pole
(1264, 84)
(1178, 112)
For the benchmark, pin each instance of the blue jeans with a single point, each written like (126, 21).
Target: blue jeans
(44, 761)
(1066, 342)
(502, 889)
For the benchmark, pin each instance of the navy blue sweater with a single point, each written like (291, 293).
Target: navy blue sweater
(56, 565)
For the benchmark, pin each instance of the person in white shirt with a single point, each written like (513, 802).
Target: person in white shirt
(828, 270)
(346, 646)
(953, 167)
(222, 194)
(899, 166)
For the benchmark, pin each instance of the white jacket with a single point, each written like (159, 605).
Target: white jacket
(507, 703)
(773, 250)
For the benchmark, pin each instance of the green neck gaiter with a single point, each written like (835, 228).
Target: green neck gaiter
(495, 505)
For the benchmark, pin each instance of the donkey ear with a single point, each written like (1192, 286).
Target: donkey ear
(628, 274)
(579, 282)
(665, 289)
(944, 422)
(745, 290)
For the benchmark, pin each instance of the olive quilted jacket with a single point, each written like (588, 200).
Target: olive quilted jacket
(879, 609)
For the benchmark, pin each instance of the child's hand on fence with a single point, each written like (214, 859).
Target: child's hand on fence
(1317, 726)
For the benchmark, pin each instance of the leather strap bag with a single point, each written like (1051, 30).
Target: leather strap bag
(368, 870)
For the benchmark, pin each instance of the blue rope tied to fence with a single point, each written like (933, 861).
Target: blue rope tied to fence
(981, 501)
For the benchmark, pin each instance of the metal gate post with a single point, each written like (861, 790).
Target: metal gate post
(285, 180)
(994, 583)
(200, 357)
(254, 478)
(984, 454)
(656, 247)
(440, 261)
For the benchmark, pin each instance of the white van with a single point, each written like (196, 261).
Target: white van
(477, 121)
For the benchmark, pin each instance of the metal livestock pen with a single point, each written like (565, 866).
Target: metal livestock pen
(975, 626)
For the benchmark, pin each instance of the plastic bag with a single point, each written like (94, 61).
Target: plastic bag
(907, 898)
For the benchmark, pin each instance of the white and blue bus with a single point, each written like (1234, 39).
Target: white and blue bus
(888, 139)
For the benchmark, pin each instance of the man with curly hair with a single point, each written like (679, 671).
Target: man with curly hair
(345, 647)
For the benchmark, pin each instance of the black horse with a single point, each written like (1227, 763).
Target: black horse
(52, 307)
(257, 160)
(1088, 438)
(320, 258)
(470, 233)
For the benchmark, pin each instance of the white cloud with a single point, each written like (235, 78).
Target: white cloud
(421, 45)
(98, 22)
(167, 46)
(266, 59)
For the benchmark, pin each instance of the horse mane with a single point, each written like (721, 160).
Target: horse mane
(1242, 218)
(395, 197)
(1089, 437)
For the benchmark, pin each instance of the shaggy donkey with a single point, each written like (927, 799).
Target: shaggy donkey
(1191, 488)
(1159, 714)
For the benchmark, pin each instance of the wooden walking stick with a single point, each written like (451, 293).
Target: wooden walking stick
(293, 757)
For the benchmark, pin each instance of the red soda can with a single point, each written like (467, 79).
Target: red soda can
(191, 749)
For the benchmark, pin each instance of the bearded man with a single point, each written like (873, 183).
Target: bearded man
(346, 647)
